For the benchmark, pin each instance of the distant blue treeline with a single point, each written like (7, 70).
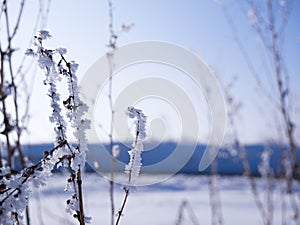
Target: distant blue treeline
(228, 163)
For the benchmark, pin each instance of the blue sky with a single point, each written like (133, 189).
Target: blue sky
(201, 26)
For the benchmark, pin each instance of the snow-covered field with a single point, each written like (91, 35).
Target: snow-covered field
(156, 204)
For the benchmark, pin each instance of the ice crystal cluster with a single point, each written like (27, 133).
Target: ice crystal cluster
(134, 166)
(14, 188)
(13, 196)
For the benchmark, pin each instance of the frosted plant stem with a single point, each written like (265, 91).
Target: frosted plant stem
(134, 166)
(214, 196)
(232, 111)
(185, 206)
(110, 55)
(111, 183)
(10, 76)
(120, 212)
(73, 86)
(55, 67)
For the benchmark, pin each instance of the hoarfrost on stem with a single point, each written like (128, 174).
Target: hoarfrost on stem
(14, 197)
(15, 187)
(61, 51)
(43, 35)
(134, 166)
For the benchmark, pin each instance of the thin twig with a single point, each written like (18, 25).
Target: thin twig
(120, 212)
(110, 55)
(186, 206)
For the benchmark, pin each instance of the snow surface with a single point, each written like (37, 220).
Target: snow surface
(156, 204)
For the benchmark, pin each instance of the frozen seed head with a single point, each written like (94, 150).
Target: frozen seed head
(43, 34)
(140, 122)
